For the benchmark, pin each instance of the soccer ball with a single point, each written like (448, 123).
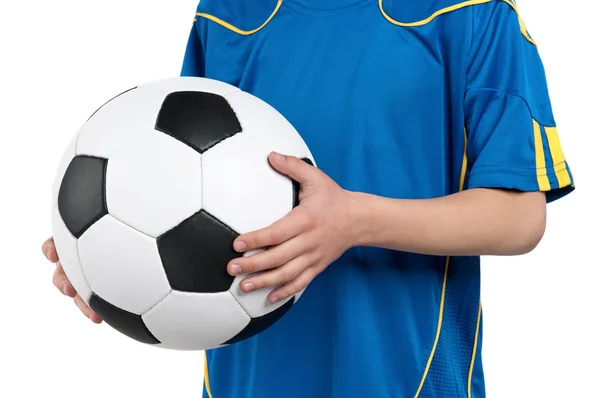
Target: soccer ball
(148, 198)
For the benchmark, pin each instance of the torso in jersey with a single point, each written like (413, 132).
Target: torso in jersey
(385, 108)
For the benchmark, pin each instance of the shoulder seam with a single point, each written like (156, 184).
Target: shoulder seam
(422, 22)
(515, 95)
(455, 7)
(433, 16)
(235, 29)
(524, 31)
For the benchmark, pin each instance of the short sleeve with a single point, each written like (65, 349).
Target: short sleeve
(193, 60)
(512, 137)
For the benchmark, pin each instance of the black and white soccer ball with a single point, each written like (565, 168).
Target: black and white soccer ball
(149, 197)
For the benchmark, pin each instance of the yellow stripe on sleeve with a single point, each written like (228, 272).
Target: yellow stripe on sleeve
(540, 161)
(558, 157)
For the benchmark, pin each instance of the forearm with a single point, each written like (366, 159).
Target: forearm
(472, 222)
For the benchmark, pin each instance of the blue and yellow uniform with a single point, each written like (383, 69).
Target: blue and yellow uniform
(398, 98)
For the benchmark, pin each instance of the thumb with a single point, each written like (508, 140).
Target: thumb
(300, 170)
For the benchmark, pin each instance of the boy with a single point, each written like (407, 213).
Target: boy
(433, 132)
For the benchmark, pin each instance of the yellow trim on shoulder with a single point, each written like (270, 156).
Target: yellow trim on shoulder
(206, 380)
(425, 21)
(236, 29)
(439, 329)
(558, 157)
(455, 7)
(473, 355)
(540, 159)
(521, 23)
(432, 16)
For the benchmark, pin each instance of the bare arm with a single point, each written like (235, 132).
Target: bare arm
(330, 220)
(472, 222)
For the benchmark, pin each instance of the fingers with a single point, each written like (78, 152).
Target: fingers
(277, 277)
(294, 286)
(60, 280)
(62, 283)
(83, 307)
(268, 259)
(86, 310)
(293, 167)
(49, 250)
(286, 228)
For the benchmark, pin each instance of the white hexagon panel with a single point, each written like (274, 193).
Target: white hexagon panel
(254, 303)
(125, 117)
(66, 245)
(277, 134)
(189, 321)
(123, 266)
(154, 183)
(188, 83)
(240, 187)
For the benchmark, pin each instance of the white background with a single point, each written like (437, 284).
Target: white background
(61, 59)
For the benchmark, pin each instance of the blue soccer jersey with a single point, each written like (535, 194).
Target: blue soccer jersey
(408, 99)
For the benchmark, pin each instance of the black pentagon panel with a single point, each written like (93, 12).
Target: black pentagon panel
(296, 185)
(262, 323)
(195, 254)
(82, 193)
(129, 324)
(198, 119)
(118, 95)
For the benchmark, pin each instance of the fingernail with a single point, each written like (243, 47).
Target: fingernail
(279, 157)
(64, 289)
(239, 246)
(273, 299)
(248, 286)
(236, 269)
